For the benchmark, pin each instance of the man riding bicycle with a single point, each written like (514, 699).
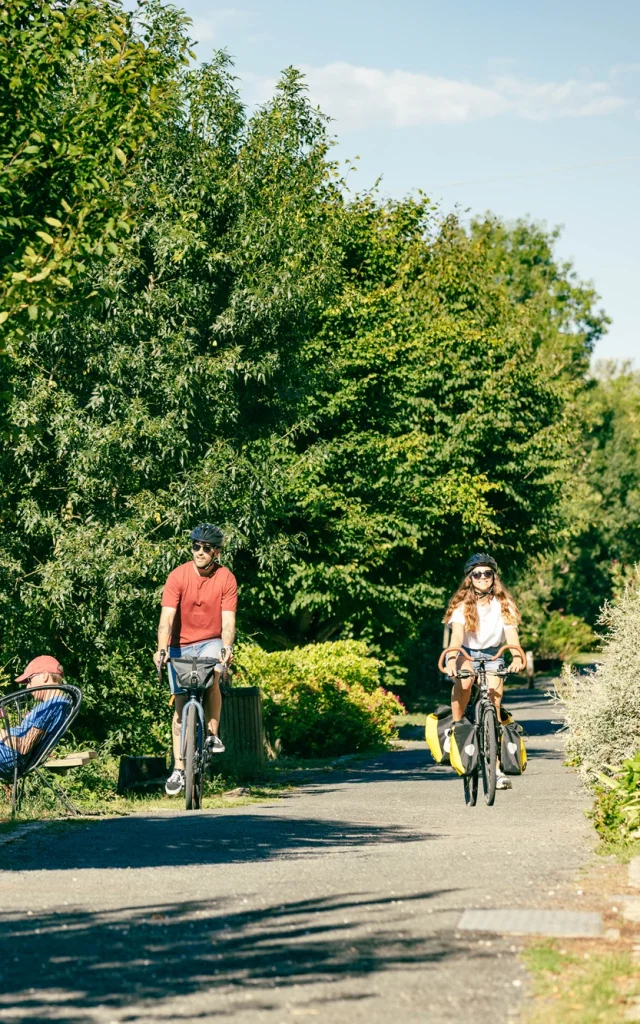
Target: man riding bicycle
(198, 619)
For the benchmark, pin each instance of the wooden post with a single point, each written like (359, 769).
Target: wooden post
(531, 669)
(241, 725)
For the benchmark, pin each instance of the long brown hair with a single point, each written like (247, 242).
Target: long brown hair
(466, 596)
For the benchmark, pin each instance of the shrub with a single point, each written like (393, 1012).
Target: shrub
(603, 707)
(617, 812)
(563, 636)
(322, 699)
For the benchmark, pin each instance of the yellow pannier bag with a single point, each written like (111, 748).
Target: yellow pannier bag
(506, 718)
(437, 732)
(464, 747)
(513, 753)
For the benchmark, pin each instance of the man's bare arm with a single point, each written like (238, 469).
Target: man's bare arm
(22, 744)
(228, 633)
(165, 626)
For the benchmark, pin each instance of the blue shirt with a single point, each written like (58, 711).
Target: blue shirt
(47, 716)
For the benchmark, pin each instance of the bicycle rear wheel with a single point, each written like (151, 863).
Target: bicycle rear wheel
(489, 753)
(192, 779)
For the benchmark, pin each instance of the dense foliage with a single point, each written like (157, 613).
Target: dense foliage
(321, 699)
(603, 718)
(603, 708)
(358, 391)
(599, 542)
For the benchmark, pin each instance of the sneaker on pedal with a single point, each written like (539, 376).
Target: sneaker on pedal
(214, 745)
(175, 783)
(502, 782)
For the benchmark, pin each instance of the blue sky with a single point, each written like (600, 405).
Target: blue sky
(519, 108)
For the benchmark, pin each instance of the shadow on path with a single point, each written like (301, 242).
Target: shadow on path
(157, 952)
(204, 838)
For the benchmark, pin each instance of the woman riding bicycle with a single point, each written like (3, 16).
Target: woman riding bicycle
(483, 616)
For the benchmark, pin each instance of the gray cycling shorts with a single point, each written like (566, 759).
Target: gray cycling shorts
(491, 663)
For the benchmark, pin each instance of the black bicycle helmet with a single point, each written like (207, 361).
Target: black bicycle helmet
(480, 558)
(208, 534)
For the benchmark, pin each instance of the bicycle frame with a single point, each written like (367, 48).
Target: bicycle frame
(193, 699)
(193, 751)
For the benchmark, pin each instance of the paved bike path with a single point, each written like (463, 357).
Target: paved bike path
(339, 901)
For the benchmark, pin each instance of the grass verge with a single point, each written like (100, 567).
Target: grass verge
(93, 788)
(575, 987)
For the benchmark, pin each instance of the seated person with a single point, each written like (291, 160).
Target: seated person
(45, 717)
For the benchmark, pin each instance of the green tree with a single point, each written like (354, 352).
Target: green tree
(84, 87)
(600, 541)
(348, 386)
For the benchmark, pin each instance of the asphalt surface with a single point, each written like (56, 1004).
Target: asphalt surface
(338, 902)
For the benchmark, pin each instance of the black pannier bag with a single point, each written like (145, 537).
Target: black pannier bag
(513, 754)
(437, 733)
(464, 747)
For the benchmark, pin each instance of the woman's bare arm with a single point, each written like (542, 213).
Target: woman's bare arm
(455, 640)
(511, 635)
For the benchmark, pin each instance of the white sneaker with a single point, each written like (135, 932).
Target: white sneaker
(175, 783)
(503, 782)
(214, 745)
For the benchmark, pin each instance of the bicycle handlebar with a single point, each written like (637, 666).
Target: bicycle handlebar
(465, 654)
(163, 659)
(513, 647)
(448, 650)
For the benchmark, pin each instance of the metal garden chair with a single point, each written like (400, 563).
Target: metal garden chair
(32, 722)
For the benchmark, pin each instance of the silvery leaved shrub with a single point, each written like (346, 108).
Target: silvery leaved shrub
(603, 707)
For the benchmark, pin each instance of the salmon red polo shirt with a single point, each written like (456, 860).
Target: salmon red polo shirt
(200, 602)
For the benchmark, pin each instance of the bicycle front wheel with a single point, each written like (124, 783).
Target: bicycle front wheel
(471, 789)
(489, 753)
(192, 784)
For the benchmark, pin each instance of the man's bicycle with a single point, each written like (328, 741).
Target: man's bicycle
(195, 675)
(485, 720)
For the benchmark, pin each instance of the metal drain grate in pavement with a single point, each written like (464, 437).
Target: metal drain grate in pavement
(570, 923)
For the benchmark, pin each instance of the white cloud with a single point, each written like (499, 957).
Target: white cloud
(618, 70)
(211, 28)
(360, 96)
(540, 101)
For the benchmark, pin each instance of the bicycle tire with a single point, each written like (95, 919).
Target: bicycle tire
(471, 789)
(489, 754)
(191, 794)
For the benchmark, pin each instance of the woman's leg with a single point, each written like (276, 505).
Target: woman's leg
(461, 690)
(495, 684)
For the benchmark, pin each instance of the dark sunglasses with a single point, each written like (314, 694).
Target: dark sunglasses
(207, 548)
(482, 574)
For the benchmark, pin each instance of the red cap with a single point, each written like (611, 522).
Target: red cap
(45, 663)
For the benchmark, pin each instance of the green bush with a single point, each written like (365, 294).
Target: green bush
(322, 699)
(617, 811)
(563, 636)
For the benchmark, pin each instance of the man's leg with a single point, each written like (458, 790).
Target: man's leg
(213, 708)
(176, 730)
